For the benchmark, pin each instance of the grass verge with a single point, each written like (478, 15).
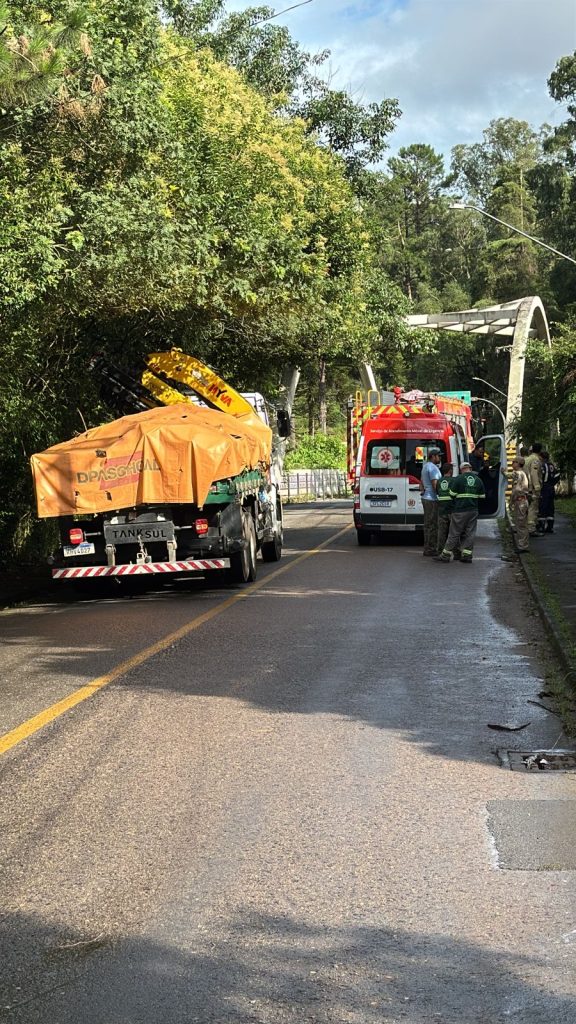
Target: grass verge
(567, 507)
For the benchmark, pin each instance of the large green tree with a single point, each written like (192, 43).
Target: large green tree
(290, 77)
(151, 196)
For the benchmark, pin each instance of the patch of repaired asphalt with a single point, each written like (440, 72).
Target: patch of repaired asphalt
(534, 835)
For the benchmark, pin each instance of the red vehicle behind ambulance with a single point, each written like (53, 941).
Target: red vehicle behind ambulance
(389, 437)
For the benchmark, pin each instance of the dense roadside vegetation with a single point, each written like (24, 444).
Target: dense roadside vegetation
(171, 174)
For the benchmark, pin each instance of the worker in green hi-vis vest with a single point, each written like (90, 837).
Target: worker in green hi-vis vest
(466, 491)
(445, 504)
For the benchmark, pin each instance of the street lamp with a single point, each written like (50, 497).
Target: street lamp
(468, 206)
(482, 381)
(475, 398)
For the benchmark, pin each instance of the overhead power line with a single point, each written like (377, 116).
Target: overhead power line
(303, 3)
(285, 11)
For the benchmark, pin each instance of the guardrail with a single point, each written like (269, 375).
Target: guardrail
(301, 484)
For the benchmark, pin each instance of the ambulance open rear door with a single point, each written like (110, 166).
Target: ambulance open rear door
(494, 504)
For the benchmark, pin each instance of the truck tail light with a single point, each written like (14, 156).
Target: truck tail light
(201, 526)
(76, 535)
(356, 501)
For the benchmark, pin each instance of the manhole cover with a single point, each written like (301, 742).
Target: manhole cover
(539, 760)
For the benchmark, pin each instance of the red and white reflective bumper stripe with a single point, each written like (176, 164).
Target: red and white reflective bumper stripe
(198, 565)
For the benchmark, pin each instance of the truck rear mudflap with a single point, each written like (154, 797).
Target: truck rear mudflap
(198, 565)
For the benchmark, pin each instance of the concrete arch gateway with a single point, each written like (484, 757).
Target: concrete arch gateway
(520, 319)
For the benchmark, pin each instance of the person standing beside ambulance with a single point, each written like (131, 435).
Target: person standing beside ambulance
(428, 485)
(466, 490)
(445, 504)
(534, 471)
(550, 477)
(519, 503)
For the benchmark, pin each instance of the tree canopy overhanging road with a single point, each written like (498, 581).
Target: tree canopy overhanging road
(176, 174)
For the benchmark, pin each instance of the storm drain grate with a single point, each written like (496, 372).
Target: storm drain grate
(539, 760)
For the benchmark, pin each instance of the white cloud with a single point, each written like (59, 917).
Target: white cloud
(453, 65)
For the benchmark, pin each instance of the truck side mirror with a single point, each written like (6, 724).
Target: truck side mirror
(283, 423)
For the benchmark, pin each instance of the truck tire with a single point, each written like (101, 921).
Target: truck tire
(363, 538)
(243, 563)
(272, 549)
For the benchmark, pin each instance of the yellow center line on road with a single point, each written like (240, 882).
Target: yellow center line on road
(32, 725)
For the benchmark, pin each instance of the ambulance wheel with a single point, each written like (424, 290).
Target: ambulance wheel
(243, 563)
(364, 538)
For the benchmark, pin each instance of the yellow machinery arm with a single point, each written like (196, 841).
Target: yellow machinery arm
(197, 376)
(162, 391)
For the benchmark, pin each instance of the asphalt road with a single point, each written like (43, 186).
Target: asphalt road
(286, 812)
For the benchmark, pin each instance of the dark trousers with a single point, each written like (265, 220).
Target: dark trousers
(430, 526)
(443, 529)
(546, 508)
(462, 533)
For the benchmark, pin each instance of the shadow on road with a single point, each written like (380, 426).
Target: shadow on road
(429, 660)
(263, 969)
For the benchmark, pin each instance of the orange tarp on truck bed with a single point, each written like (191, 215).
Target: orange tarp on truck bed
(166, 455)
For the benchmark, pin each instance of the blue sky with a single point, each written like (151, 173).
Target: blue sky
(453, 65)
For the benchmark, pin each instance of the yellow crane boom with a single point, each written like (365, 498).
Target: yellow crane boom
(190, 371)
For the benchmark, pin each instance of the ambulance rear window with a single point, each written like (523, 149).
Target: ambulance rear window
(400, 457)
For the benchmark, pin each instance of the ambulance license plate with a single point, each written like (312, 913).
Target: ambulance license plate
(386, 504)
(73, 550)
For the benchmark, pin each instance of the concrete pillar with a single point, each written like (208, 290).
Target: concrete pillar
(530, 316)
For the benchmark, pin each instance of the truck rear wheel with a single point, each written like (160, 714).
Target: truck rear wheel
(272, 549)
(243, 563)
(363, 538)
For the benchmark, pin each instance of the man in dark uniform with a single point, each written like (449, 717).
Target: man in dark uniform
(550, 477)
(466, 490)
(478, 458)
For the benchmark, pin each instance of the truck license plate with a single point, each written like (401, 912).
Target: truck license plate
(73, 550)
(132, 533)
(386, 504)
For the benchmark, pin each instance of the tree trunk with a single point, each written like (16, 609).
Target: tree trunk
(311, 411)
(322, 403)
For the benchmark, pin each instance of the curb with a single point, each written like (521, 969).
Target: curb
(550, 624)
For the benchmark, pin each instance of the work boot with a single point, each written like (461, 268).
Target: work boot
(444, 557)
(466, 559)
